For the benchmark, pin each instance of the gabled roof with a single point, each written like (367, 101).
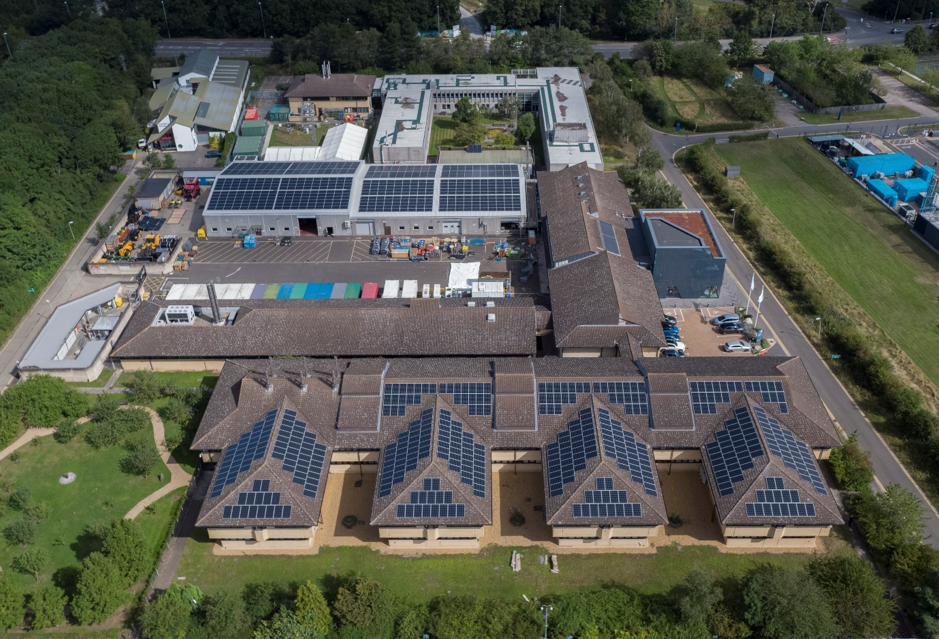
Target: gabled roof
(201, 62)
(336, 85)
(755, 445)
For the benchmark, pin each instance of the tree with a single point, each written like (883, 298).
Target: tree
(465, 111)
(141, 460)
(359, 603)
(121, 541)
(505, 139)
(32, 562)
(224, 615)
(856, 595)
(21, 531)
(786, 604)
(507, 108)
(261, 599)
(916, 40)
(284, 625)
(145, 386)
(926, 604)
(891, 519)
(851, 465)
(698, 596)
(741, 48)
(903, 59)
(751, 99)
(170, 616)
(312, 609)
(153, 160)
(101, 230)
(48, 606)
(11, 604)
(20, 498)
(526, 127)
(168, 161)
(649, 159)
(467, 134)
(99, 590)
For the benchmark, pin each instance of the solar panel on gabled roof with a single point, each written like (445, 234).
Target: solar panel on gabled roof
(632, 456)
(733, 451)
(239, 456)
(401, 456)
(300, 452)
(570, 452)
(609, 237)
(794, 453)
(463, 454)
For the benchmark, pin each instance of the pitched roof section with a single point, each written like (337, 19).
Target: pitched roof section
(599, 293)
(201, 62)
(335, 86)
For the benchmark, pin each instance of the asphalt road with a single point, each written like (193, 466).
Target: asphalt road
(843, 409)
(257, 48)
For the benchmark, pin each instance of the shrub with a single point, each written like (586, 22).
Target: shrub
(11, 604)
(48, 607)
(32, 562)
(21, 532)
(175, 411)
(141, 461)
(787, 604)
(20, 498)
(891, 519)
(856, 595)
(103, 435)
(99, 590)
(224, 615)
(121, 542)
(312, 609)
(360, 603)
(67, 432)
(36, 513)
(145, 386)
(851, 465)
(171, 615)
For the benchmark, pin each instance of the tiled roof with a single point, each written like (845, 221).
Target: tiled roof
(337, 85)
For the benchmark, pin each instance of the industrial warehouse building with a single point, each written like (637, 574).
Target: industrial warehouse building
(434, 433)
(687, 259)
(353, 198)
(556, 96)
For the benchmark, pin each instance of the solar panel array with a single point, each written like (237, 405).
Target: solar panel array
(631, 395)
(384, 196)
(459, 203)
(734, 450)
(302, 456)
(553, 395)
(630, 455)
(397, 397)
(440, 502)
(606, 502)
(477, 396)
(260, 503)
(706, 395)
(464, 455)
(288, 193)
(401, 171)
(570, 452)
(238, 457)
(795, 454)
(776, 501)
(291, 168)
(771, 393)
(609, 237)
(479, 170)
(402, 455)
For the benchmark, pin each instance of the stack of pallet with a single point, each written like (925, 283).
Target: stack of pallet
(177, 216)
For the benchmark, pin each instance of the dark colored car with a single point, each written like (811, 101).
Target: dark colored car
(385, 243)
(669, 319)
(213, 153)
(527, 269)
(896, 30)
(933, 25)
(286, 241)
(732, 328)
(376, 246)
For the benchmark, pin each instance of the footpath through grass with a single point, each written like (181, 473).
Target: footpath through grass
(487, 573)
(864, 247)
(894, 112)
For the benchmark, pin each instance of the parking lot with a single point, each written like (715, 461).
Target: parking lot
(700, 337)
(301, 251)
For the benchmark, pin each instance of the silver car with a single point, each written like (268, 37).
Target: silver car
(737, 346)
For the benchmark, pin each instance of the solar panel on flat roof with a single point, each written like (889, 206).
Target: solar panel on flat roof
(396, 203)
(479, 187)
(733, 452)
(401, 456)
(631, 395)
(570, 451)
(239, 456)
(479, 170)
(398, 187)
(401, 171)
(457, 203)
(477, 396)
(794, 453)
(631, 456)
(553, 395)
(460, 449)
(397, 397)
(302, 456)
(609, 237)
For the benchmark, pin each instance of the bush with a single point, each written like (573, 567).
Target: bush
(890, 520)
(20, 498)
(21, 532)
(145, 386)
(752, 137)
(360, 603)
(851, 465)
(122, 542)
(224, 615)
(856, 594)
(48, 607)
(37, 513)
(99, 590)
(11, 604)
(171, 615)
(32, 562)
(67, 432)
(141, 461)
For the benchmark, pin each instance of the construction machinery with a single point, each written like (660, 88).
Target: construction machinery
(126, 250)
(191, 188)
(151, 241)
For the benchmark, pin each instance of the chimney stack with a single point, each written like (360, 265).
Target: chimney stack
(329, 70)
(303, 375)
(335, 374)
(213, 302)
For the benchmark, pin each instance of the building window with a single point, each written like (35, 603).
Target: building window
(228, 229)
(400, 228)
(273, 229)
(417, 227)
(214, 230)
(430, 227)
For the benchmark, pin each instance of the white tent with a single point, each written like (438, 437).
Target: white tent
(462, 275)
(343, 142)
(291, 153)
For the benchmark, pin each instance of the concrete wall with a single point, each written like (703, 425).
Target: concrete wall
(440, 537)
(597, 537)
(770, 536)
(173, 365)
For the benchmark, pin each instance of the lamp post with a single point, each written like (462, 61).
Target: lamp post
(69, 11)
(819, 320)
(733, 223)
(824, 13)
(263, 28)
(7, 43)
(70, 230)
(546, 610)
(675, 34)
(438, 18)
(630, 84)
(559, 16)
(771, 25)
(168, 36)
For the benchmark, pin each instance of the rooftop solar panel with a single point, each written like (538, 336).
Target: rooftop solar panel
(397, 397)
(259, 503)
(431, 502)
(771, 392)
(631, 456)
(479, 170)
(396, 203)
(458, 203)
(552, 396)
(401, 456)
(301, 454)
(609, 237)
(398, 187)
(706, 395)
(401, 171)
(776, 501)
(794, 453)
(476, 396)
(631, 395)
(238, 457)
(479, 187)
(290, 168)
(460, 449)
(733, 451)
(570, 451)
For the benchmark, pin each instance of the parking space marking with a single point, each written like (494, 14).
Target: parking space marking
(677, 313)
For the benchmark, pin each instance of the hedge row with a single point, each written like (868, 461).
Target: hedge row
(753, 137)
(863, 360)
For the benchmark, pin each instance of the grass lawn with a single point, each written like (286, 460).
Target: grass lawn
(443, 130)
(867, 250)
(98, 383)
(894, 112)
(190, 379)
(691, 100)
(100, 492)
(294, 137)
(320, 133)
(487, 573)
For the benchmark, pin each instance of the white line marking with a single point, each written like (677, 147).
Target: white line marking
(233, 272)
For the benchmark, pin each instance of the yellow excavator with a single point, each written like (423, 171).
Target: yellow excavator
(126, 250)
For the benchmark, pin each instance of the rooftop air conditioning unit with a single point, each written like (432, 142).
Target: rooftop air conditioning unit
(179, 314)
(471, 304)
(490, 304)
(491, 317)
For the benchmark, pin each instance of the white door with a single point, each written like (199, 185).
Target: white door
(365, 228)
(451, 227)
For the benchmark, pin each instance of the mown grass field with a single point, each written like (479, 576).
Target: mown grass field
(487, 573)
(894, 112)
(866, 249)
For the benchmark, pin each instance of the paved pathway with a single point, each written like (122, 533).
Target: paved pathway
(25, 438)
(178, 477)
(166, 572)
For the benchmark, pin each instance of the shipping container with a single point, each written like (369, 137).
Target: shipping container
(370, 290)
(390, 291)
(338, 292)
(907, 190)
(886, 163)
(353, 290)
(884, 192)
(409, 290)
(318, 291)
(927, 173)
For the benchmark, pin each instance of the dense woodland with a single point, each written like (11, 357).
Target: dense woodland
(70, 103)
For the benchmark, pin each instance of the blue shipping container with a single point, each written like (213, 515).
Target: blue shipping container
(884, 192)
(888, 164)
(927, 173)
(907, 190)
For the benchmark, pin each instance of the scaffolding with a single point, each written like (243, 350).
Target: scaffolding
(929, 204)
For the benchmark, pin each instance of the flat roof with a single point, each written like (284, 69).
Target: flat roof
(42, 354)
(678, 228)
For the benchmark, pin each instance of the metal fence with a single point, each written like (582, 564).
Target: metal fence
(879, 103)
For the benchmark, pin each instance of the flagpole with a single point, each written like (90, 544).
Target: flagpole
(749, 293)
(759, 300)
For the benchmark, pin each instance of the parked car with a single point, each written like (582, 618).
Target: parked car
(933, 25)
(385, 243)
(671, 352)
(669, 319)
(672, 343)
(286, 240)
(726, 317)
(732, 328)
(896, 30)
(671, 332)
(737, 346)
(213, 153)
(526, 271)
(142, 143)
(376, 246)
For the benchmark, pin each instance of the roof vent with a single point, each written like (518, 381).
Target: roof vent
(491, 317)
(471, 304)
(490, 304)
